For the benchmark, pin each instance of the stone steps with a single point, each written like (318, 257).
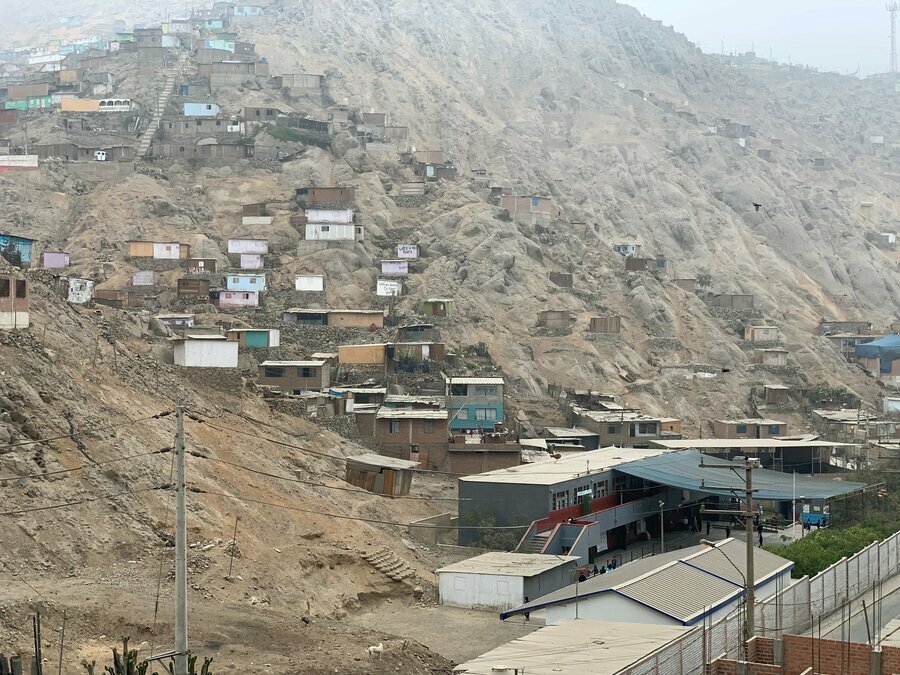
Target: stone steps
(386, 562)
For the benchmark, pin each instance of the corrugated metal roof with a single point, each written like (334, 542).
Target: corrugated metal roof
(509, 564)
(728, 559)
(722, 443)
(569, 432)
(682, 470)
(475, 380)
(288, 364)
(680, 591)
(576, 647)
(381, 461)
(407, 414)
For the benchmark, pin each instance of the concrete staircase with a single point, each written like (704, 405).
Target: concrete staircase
(536, 543)
(388, 563)
(165, 94)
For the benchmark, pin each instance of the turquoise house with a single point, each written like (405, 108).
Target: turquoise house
(248, 10)
(474, 403)
(246, 282)
(255, 338)
(17, 250)
(31, 103)
(202, 110)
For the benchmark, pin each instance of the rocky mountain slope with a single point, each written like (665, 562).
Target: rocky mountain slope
(536, 94)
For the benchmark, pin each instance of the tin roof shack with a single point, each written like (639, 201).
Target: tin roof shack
(501, 581)
(302, 83)
(255, 338)
(205, 351)
(736, 130)
(157, 250)
(761, 333)
(14, 313)
(194, 289)
(605, 324)
(829, 327)
(530, 209)
(342, 318)
(775, 358)
(754, 427)
(658, 265)
(201, 265)
(822, 163)
(555, 319)
(111, 297)
(17, 251)
(176, 321)
(322, 196)
(295, 376)
(776, 394)
(408, 353)
(54, 260)
(729, 301)
(380, 475)
(418, 332)
(436, 307)
(881, 358)
(416, 435)
(364, 355)
(585, 438)
(475, 402)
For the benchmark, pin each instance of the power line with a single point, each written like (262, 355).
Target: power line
(73, 435)
(86, 500)
(81, 467)
(336, 516)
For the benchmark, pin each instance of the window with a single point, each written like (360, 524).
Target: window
(647, 428)
(326, 228)
(269, 112)
(4, 288)
(307, 372)
(481, 390)
(218, 123)
(252, 280)
(485, 414)
(199, 123)
(774, 429)
(271, 371)
(578, 492)
(208, 106)
(234, 280)
(429, 426)
(741, 429)
(612, 429)
(458, 389)
(257, 113)
(601, 489)
(395, 427)
(559, 500)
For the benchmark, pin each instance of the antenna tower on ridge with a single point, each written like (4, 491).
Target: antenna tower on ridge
(892, 8)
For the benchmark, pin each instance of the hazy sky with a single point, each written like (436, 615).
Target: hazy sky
(836, 35)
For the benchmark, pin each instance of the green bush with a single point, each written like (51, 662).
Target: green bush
(820, 549)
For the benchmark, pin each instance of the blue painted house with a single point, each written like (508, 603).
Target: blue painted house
(474, 402)
(17, 250)
(202, 110)
(246, 282)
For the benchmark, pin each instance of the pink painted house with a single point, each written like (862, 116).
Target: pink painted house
(54, 259)
(251, 261)
(239, 299)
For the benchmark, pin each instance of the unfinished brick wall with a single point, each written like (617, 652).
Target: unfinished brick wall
(826, 657)
(890, 660)
(728, 667)
(761, 650)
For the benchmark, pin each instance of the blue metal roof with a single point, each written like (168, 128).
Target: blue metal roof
(682, 470)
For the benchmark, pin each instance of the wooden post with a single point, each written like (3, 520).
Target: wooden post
(62, 641)
(233, 546)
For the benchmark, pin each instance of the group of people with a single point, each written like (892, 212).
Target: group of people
(594, 571)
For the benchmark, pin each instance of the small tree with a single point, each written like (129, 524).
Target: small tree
(126, 663)
(704, 280)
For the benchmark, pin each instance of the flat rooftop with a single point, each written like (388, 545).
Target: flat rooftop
(751, 420)
(553, 472)
(375, 460)
(568, 432)
(576, 647)
(474, 380)
(290, 364)
(737, 443)
(409, 414)
(509, 564)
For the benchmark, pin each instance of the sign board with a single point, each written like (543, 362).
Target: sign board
(409, 251)
(387, 288)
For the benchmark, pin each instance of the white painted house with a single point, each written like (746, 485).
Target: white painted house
(333, 232)
(313, 283)
(344, 216)
(238, 299)
(388, 288)
(167, 251)
(682, 588)
(205, 351)
(501, 581)
(80, 291)
(246, 245)
(251, 261)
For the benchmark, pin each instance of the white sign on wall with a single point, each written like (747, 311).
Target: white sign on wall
(407, 251)
(388, 288)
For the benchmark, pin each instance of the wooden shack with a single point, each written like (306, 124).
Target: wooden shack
(381, 475)
(606, 324)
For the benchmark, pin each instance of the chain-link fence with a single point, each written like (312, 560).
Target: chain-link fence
(791, 610)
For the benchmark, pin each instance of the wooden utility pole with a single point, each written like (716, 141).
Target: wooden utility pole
(181, 628)
(748, 464)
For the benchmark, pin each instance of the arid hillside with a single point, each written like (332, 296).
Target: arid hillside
(539, 96)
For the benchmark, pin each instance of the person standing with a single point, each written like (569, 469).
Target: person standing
(527, 614)
(727, 532)
(707, 528)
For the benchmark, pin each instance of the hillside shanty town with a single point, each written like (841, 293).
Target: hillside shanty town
(472, 337)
